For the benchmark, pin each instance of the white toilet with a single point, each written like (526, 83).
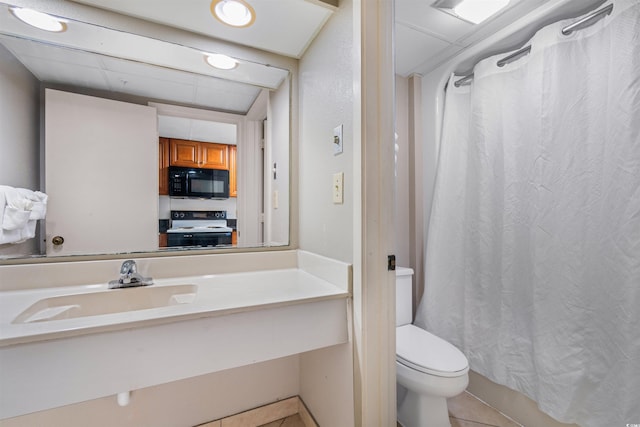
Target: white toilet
(428, 369)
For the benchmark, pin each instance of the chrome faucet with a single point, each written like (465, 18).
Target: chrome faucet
(129, 277)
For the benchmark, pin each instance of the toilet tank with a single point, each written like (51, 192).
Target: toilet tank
(404, 296)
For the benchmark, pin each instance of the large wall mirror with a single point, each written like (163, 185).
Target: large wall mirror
(104, 121)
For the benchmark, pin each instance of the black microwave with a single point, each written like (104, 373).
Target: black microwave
(196, 182)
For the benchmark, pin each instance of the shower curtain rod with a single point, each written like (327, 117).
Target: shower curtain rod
(576, 26)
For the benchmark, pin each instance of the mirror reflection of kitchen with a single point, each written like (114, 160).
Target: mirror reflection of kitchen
(116, 129)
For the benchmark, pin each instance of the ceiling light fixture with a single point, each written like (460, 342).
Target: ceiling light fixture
(39, 19)
(476, 11)
(222, 62)
(237, 13)
(473, 11)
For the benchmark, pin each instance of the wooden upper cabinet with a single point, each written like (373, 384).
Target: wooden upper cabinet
(233, 183)
(163, 165)
(214, 156)
(199, 154)
(185, 153)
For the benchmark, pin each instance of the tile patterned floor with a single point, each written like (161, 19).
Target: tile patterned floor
(465, 410)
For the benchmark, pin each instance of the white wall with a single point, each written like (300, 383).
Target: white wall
(326, 100)
(19, 135)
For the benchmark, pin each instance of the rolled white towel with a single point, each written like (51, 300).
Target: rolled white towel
(39, 209)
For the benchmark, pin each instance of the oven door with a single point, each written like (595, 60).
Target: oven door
(199, 239)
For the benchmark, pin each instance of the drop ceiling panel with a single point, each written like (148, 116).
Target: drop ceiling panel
(138, 68)
(27, 48)
(420, 15)
(56, 72)
(412, 47)
(150, 87)
(281, 26)
(234, 102)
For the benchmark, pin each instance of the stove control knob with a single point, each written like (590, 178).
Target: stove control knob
(181, 214)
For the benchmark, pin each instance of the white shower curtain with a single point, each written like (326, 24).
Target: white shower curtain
(533, 255)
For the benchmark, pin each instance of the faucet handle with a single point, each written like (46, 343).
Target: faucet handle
(128, 267)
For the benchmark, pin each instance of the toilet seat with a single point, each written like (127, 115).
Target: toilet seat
(427, 353)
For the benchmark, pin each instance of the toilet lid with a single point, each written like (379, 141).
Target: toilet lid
(425, 352)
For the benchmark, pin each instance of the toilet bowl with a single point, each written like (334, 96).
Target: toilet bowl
(428, 369)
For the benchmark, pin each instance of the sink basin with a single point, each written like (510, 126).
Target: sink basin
(107, 302)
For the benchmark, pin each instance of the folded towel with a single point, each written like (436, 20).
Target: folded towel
(20, 209)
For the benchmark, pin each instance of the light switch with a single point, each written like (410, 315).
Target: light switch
(337, 140)
(338, 183)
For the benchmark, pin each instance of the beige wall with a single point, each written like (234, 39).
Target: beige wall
(326, 101)
(182, 403)
(326, 98)
(19, 135)
(278, 116)
(402, 173)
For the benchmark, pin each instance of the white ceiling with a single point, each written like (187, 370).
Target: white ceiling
(425, 38)
(286, 27)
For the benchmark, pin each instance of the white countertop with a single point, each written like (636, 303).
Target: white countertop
(218, 294)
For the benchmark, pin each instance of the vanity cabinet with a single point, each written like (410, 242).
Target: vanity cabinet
(233, 183)
(198, 154)
(163, 164)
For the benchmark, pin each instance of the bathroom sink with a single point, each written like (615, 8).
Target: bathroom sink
(107, 302)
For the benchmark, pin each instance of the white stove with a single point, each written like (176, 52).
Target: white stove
(199, 228)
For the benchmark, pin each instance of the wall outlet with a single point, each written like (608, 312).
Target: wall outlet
(338, 184)
(337, 140)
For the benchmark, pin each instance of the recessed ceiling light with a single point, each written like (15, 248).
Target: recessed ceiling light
(39, 19)
(476, 11)
(473, 11)
(223, 62)
(237, 13)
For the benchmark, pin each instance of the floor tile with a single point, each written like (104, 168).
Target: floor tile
(463, 423)
(466, 407)
(292, 421)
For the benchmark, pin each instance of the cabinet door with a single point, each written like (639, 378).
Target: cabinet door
(163, 165)
(233, 186)
(185, 153)
(214, 156)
